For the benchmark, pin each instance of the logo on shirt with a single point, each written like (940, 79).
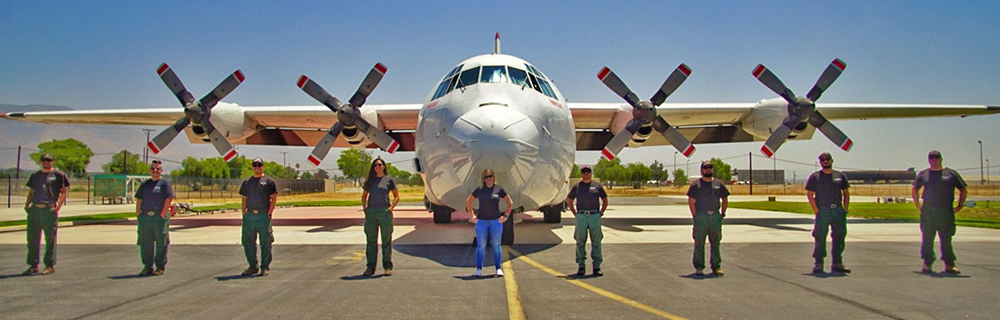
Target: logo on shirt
(593, 189)
(946, 178)
(836, 179)
(495, 196)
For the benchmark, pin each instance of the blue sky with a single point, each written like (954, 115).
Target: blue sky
(103, 54)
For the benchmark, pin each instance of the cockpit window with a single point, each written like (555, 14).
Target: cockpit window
(453, 71)
(468, 78)
(535, 71)
(518, 76)
(495, 74)
(447, 83)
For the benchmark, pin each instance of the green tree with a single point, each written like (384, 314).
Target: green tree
(322, 174)
(71, 156)
(307, 175)
(602, 166)
(639, 173)
(276, 171)
(399, 175)
(658, 172)
(240, 167)
(354, 164)
(723, 171)
(680, 178)
(126, 163)
(576, 172)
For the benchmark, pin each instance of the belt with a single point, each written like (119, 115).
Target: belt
(44, 205)
(709, 212)
(255, 211)
(150, 213)
(589, 211)
(834, 206)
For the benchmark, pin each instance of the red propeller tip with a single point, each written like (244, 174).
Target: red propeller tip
(689, 151)
(153, 147)
(393, 147)
(230, 155)
(758, 70)
(840, 64)
(607, 154)
(847, 145)
(381, 68)
(314, 160)
(239, 76)
(684, 68)
(604, 73)
(767, 152)
(163, 68)
(302, 81)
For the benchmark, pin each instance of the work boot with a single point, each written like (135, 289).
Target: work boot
(249, 272)
(818, 267)
(30, 271)
(158, 272)
(580, 272)
(146, 272)
(263, 272)
(369, 272)
(48, 270)
(951, 269)
(839, 267)
(927, 268)
(718, 271)
(388, 272)
(699, 272)
(598, 273)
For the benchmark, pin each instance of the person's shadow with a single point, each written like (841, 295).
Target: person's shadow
(128, 276)
(235, 277)
(15, 275)
(941, 275)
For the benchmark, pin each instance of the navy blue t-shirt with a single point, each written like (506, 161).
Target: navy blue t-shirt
(258, 192)
(589, 195)
(378, 192)
(939, 187)
(153, 194)
(489, 202)
(46, 186)
(828, 188)
(707, 194)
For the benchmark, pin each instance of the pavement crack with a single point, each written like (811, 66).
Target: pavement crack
(193, 280)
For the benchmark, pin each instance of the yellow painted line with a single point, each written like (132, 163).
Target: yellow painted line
(605, 293)
(513, 293)
(353, 256)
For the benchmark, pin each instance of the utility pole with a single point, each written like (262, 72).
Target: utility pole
(982, 178)
(125, 162)
(145, 151)
(18, 173)
(284, 158)
(750, 156)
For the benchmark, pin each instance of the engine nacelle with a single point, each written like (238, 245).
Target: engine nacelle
(354, 136)
(230, 119)
(642, 135)
(766, 116)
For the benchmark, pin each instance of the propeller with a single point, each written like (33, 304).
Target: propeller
(348, 114)
(644, 115)
(803, 108)
(198, 112)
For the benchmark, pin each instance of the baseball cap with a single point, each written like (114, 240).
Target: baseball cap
(825, 155)
(585, 169)
(934, 154)
(258, 160)
(46, 156)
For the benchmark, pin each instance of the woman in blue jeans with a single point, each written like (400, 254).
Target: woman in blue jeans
(488, 219)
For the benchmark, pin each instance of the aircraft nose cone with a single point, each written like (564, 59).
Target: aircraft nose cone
(498, 138)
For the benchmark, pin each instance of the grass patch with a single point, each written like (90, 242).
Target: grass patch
(980, 216)
(91, 217)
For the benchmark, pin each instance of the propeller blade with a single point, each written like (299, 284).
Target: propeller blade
(831, 131)
(163, 139)
(678, 140)
(772, 82)
(610, 79)
(222, 90)
(777, 138)
(323, 147)
(222, 145)
(381, 139)
(367, 86)
(314, 90)
(174, 83)
(674, 81)
(620, 140)
(826, 79)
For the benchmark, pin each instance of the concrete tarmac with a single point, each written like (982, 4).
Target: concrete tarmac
(319, 256)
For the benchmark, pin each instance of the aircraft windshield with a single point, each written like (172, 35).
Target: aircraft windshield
(495, 74)
(529, 77)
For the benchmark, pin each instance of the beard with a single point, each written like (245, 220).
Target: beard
(707, 175)
(827, 166)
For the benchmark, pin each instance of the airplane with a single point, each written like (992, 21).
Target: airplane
(497, 111)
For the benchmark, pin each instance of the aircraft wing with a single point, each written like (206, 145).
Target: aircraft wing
(596, 123)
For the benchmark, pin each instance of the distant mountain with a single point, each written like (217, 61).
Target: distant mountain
(31, 107)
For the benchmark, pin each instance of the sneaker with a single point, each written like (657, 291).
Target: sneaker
(48, 270)
(818, 268)
(598, 273)
(699, 272)
(926, 269)
(249, 272)
(388, 272)
(952, 270)
(158, 272)
(839, 267)
(580, 272)
(369, 272)
(478, 273)
(30, 271)
(718, 271)
(263, 272)
(499, 272)
(146, 272)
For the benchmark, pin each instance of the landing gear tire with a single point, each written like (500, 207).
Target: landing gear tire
(442, 214)
(507, 237)
(552, 214)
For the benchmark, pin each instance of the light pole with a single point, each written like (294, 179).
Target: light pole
(982, 178)
(987, 171)
(283, 158)
(675, 160)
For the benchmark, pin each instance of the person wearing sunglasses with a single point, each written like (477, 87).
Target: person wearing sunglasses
(47, 190)
(827, 191)
(704, 196)
(488, 219)
(593, 200)
(260, 193)
(937, 211)
(152, 207)
(378, 215)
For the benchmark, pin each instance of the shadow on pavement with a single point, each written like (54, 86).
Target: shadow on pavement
(127, 276)
(706, 276)
(942, 275)
(15, 275)
(473, 278)
(234, 277)
(362, 277)
(825, 275)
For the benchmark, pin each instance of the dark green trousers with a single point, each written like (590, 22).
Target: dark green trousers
(710, 226)
(39, 220)
(153, 241)
(938, 222)
(377, 219)
(830, 221)
(257, 225)
(589, 224)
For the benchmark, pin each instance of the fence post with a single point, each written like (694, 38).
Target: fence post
(9, 183)
(88, 189)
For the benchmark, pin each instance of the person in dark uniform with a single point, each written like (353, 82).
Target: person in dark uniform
(703, 200)
(152, 205)
(827, 191)
(378, 215)
(46, 196)
(937, 211)
(488, 219)
(259, 196)
(588, 219)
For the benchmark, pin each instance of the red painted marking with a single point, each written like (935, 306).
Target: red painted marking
(607, 154)
(689, 151)
(554, 103)
(840, 64)
(767, 152)
(239, 76)
(3, 115)
(684, 68)
(393, 147)
(314, 160)
(230, 155)
(498, 35)
(432, 104)
(302, 81)
(153, 147)
(381, 68)
(163, 68)
(758, 70)
(847, 145)
(604, 73)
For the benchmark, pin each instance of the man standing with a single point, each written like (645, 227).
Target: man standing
(827, 191)
(152, 207)
(46, 195)
(588, 219)
(937, 212)
(703, 201)
(259, 196)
